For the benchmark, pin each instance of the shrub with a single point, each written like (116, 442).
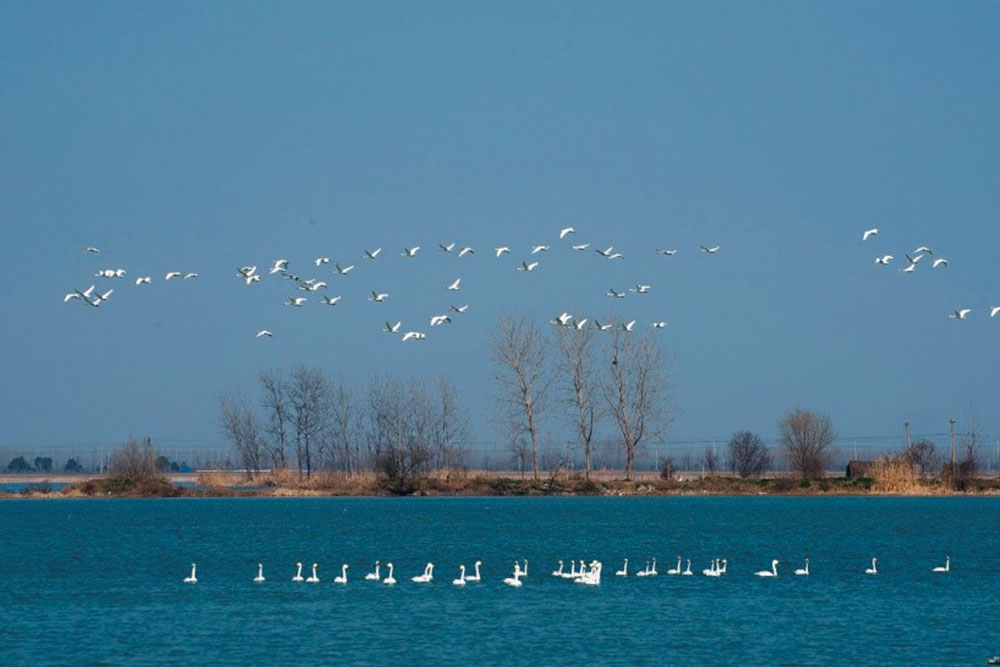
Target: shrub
(895, 474)
(748, 454)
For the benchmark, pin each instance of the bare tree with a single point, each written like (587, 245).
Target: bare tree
(710, 460)
(309, 397)
(345, 415)
(636, 389)
(577, 369)
(452, 426)
(241, 428)
(748, 454)
(518, 353)
(806, 438)
(404, 420)
(519, 452)
(134, 460)
(922, 455)
(279, 415)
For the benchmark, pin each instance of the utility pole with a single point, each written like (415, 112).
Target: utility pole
(951, 422)
(906, 425)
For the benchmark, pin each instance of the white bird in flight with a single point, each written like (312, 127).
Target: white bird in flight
(91, 249)
(378, 297)
(414, 335)
(580, 324)
(263, 333)
(279, 266)
(527, 267)
(581, 246)
(562, 320)
(960, 314)
(460, 309)
(941, 261)
(994, 310)
(640, 289)
(501, 250)
(410, 252)
(884, 259)
(604, 253)
(392, 328)
(870, 232)
(566, 231)
(295, 301)
(77, 294)
(343, 270)
(615, 293)
(321, 260)
(330, 300)
(539, 248)
(144, 280)
(454, 286)
(372, 254)
(710, 251)
(439, 319)
(601, 327)
(172, 274)
(923, 250)
(628, 326)
(659, 325)
(669, 253)
(466, 251)
(446, 248)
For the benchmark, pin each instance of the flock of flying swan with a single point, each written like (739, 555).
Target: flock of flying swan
(586, 573)
(281, 268)
(913, 261)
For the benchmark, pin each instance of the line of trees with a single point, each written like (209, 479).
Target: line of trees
(613, 376)
(308, 420)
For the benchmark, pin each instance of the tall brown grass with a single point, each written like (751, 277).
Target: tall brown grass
(895, 474)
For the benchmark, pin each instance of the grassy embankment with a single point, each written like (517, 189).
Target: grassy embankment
(885, 479)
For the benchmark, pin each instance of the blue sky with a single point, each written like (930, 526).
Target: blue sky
(202, 136)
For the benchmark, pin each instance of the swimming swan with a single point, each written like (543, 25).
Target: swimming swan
(298, 574)
(373, 576)
(389, 580)
(192, 579)
(676, 570)
(624, 571)
(516, 579)
(947, 566)
(873, 569)
(461, 577)
(425, 578)
(687, 570)
(313, 579)
(559, 572)
(803, 571)
(773, 572)
(645, 572)
(260, 574)
(342, 579)
(475, 577)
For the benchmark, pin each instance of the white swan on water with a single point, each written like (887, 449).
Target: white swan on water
(260, 574)
(803, 571)
(516, 579)
(342, 579)
(676, 570)
(373, 576)
(773, 572)
(624, 571)
(714, 569)
(313, 579)
(461, 577)
(559, 572)
(524, 572)
(425, 578)
(475, 577)
(572, 574)
(687, 570)
(645, 572)
(298, 573)
(652, 571)
(390, 580)
(946, 567)
(873, 569)
(192, 579)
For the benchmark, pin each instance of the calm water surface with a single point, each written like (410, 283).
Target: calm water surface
(99, 581)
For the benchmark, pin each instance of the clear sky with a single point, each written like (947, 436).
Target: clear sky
(202, 136)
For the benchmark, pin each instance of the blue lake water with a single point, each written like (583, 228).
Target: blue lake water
(100, 581)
